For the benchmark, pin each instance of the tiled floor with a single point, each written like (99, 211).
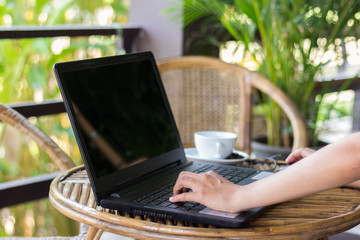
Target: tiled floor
(352, 234)
(110, 236)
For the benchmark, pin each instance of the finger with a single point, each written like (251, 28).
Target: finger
(299, 154)
(183, 197)
(185, 182)
(216, 176)
(306, 152)
(185, 190)
(294, 156)
(213, 173)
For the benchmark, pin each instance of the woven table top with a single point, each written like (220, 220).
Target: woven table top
(312, 217)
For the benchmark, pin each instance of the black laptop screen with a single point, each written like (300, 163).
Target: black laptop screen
(120, 111)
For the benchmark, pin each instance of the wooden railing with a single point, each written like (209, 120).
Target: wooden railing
(33, 188)
(127, 32)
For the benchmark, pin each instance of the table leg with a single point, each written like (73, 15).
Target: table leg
(93, 233)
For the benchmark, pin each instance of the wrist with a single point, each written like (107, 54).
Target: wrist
(243, 198)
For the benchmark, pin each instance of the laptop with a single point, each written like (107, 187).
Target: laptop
(129, 141)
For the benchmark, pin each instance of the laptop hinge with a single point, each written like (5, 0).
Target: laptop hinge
(157, 172)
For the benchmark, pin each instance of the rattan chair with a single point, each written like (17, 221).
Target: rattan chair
(208, 94)
(61, 159)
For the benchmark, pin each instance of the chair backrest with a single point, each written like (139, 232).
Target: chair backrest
(18, 121)
(208, 94)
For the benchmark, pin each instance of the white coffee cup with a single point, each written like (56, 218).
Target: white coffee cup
(215, 144)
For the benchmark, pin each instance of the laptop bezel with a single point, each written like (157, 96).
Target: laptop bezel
(105, 185)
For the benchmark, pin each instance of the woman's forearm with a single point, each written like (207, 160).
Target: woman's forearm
(355, 184)
(335, 165)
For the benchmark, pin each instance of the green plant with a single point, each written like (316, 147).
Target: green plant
(288, 40)
(26, 75)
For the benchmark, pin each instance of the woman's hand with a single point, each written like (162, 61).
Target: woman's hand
(209, 189)
(299, 154)
(303, 153)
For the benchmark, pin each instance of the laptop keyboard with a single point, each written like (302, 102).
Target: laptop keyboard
(161, 196)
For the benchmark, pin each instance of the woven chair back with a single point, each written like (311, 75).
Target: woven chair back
(208, 94)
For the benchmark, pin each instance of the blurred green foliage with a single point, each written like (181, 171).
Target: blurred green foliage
(287, 40)
(26, 75)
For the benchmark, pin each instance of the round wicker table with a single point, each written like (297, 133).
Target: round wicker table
(312, 217)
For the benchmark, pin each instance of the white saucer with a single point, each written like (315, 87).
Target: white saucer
(193, 155)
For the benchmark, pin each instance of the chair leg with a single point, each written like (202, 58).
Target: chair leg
(93, 233)
(98, 234)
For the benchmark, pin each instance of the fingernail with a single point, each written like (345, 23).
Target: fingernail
(171, 198)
